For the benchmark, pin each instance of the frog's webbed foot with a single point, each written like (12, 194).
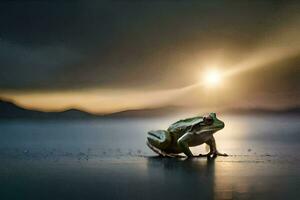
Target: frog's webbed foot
(215, 154)
(212, 154)
(221, 154)
(204, 155)
(213, 148)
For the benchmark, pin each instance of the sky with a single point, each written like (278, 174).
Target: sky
(108, 56)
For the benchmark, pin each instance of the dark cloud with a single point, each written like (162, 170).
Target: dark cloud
(81, 44)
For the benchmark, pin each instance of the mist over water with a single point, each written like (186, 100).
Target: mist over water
(108, 159)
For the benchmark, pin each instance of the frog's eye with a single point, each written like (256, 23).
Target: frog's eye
(208, 120)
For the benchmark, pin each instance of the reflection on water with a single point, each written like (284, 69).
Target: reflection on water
(236, 178)
(109, 160)
(190, 179)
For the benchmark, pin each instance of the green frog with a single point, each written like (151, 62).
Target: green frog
(187, 133)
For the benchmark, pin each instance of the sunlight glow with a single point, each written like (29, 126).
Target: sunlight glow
(212, 78)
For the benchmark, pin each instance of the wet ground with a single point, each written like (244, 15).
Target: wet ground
(109, 160)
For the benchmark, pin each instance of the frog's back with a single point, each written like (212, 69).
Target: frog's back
(184, 125)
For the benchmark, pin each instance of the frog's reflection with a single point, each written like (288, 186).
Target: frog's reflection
(188, 178)
(199, 166)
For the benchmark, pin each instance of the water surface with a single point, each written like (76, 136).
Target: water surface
(108, 159)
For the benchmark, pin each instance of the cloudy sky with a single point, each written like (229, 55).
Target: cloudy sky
(106, 56)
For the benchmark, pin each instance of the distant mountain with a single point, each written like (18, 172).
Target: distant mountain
(9, 110)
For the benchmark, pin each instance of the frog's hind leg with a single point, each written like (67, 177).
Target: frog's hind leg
(159, 141)
(162, 153)
(156, 150)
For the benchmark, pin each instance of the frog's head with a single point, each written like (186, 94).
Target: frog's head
(209, 124)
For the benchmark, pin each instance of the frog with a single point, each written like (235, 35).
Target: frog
(187, 133)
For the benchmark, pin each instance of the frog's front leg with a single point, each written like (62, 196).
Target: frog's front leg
(213, 148)
(182, 142)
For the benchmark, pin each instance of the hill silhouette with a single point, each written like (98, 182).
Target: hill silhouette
(9, 110)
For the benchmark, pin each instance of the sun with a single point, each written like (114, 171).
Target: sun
(212, 77)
